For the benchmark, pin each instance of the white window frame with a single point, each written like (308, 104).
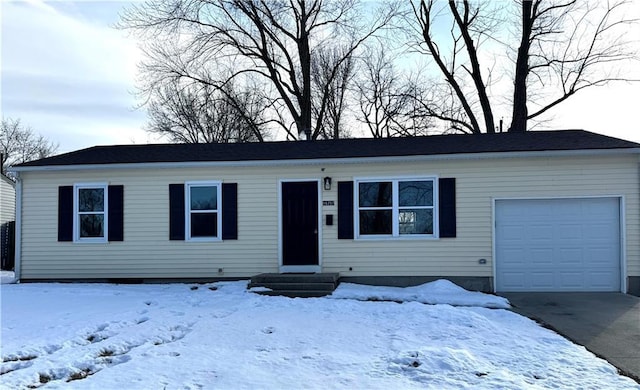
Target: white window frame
(187, 209)
(76, 212)
(395, 208)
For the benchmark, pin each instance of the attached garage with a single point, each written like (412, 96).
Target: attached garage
(568, 244)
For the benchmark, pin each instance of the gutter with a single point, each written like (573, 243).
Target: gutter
(320, 161)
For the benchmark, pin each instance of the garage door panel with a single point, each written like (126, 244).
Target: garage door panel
(514, 258)
(601, 238)
(512, 232)
(598, 232)
(568, 231)
(511, 211)
(570, 279)
(568, 211)
(541, 257)
(564, 257)
(540, 280)
(558, 245)
(514, 280)
(600, 257)
(596, 212)
(540, 231)
(601, 280)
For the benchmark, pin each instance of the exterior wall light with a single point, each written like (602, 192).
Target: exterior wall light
(327, 183)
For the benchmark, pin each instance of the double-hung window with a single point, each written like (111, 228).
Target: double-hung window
(202, 206)
(396, 207)
(90, 206)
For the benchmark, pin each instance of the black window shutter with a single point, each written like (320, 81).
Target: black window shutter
(176, 211)
(229, 211)
(345, 210)
(116, 213)
(447, 206)
(65, 213)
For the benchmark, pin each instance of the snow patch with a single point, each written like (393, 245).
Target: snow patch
(7, 277)
(439, 292)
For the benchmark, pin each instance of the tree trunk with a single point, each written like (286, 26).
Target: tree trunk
(520, 112)
(305, 65)
(476, 74)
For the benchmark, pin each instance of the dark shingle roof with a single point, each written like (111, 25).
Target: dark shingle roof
(344, 148)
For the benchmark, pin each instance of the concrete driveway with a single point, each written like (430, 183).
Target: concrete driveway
(607, 324)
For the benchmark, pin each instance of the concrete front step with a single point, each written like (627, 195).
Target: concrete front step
(296, 278)
(296, 284)
(296, 293)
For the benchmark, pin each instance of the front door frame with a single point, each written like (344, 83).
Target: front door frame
(299, 268)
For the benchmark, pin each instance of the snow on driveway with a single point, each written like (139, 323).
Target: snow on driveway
(220, 336)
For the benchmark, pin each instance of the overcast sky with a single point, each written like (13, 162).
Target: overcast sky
(68, 74)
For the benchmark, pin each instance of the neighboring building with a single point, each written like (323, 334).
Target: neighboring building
(535, 211)
(7, 216)
(7, 200)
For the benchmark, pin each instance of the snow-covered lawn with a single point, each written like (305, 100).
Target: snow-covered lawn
(220, 336)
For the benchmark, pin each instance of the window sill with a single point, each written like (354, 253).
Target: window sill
(90, 241)
(203, 239)
(397, 238)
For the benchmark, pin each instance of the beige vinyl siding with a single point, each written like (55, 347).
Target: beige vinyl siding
(478, 182)
(7, 201)
(146, 251)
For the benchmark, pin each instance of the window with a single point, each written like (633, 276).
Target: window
(415, 207)
(90, 209)
(202, 206)
(396, 208)
(376, 208)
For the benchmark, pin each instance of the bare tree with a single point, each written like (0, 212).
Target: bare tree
(20, 144)
(379, 100)
(566, 45)
(271, 39)
(390, 103)
(196, 113)
(331, 85)
(574, 44)
(459, 65)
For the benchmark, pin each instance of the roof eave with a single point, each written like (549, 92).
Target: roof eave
(340, 160)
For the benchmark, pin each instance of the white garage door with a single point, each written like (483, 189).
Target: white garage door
(558, 244)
